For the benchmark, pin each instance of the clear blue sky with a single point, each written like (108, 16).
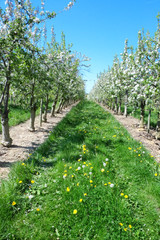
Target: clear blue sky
(99, 28)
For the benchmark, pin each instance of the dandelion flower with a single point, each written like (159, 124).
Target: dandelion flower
(105, 184)
(122, 194)
(13, 203)
(156, 174)
(126, 196)
(125, 229)
(91, 181)
(102, 170)
(32, 181)
(20, 181)
(70, 167)
(81, 200)
(130, 226)
(68, 189)
(109, 183)
(85, 194)
(75, 211)
(37, 209)
(77, 184)
(121, 224)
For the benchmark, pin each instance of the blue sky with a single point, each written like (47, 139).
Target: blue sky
(98, 29)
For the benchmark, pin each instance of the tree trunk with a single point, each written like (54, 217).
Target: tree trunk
(32, 110)
(158, 127)
(149, 120)
(54, 105)
(142, 114)
(126, 104)
(6, 140)
(46, 109)
(59, 107)
(112, 105)
(32, 119)
(116, 105)
(41, 111)
(119, 108)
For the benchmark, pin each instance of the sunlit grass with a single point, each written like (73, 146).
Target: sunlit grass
(89, 180)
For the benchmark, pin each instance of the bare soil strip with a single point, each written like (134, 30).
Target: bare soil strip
(25, 142)
(148, 139)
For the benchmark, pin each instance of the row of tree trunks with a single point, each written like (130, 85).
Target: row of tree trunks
(115, 106)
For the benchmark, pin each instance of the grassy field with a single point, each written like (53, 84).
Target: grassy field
(89, 180)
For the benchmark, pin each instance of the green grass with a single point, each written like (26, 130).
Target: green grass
(89, 180)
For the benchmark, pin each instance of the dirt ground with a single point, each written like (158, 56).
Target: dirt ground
(25, 142)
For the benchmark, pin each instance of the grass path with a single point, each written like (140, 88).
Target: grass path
(89, 180)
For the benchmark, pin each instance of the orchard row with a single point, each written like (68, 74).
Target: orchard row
(133, 80)
(30, 73)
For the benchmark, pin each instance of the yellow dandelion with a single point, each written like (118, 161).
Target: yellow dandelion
(75, 211)
(125, 229)
(37, 209)
(20, 181)
(13, 203)
(130, 226)
(68, 189)
(126, 196)
(102, 170)
(81, 200)
(156, 174)
(114, 136)
(77, 184)
(32, 181)
(23, 164)
(65, 171)
(121, 224)
(70, 167)
(85, 194)
(129, 148)
(109, 183)
(105, 184)
(122, 194)
(91, 181)
(72, 176)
